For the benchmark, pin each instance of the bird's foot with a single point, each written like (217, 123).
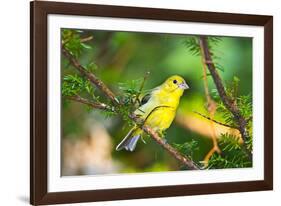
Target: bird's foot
(162, 134)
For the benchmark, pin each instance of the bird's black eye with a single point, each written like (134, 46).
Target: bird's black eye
(175, 81)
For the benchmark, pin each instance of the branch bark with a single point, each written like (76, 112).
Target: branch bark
(89, 38)
(188, 162)
(96, 105)
(103, 88)
(227, 101)
(185, 160)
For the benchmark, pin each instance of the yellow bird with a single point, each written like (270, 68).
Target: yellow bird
(157, 110)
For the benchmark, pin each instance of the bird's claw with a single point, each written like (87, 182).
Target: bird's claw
(162, 134)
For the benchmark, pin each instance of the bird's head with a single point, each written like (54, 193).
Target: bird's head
(175, 84)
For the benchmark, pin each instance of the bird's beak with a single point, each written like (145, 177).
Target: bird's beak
(183, 85)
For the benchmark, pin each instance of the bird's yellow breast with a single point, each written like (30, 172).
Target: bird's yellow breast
(161, 118)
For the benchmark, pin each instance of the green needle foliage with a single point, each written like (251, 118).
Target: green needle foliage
(234, 155)
(243, 102)
(72, 42)
(192, 44)
(187, 148)
(130, 98)
(130, 91)
(74, 85)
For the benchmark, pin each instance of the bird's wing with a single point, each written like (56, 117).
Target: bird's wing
(147, 104)
(145, 99)
(148, 96)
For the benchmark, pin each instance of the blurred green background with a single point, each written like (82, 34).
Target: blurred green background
(89, 137)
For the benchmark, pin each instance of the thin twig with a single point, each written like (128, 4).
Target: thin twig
(89, 38)
(96, 105)
(227, 101)
(97, 82)
(223, 124)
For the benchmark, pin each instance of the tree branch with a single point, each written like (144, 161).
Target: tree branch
(227, 101)
(99, 84)
(188, 162)
(96, 105)
(184, 160)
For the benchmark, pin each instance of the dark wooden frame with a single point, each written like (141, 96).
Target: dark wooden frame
(38, 98)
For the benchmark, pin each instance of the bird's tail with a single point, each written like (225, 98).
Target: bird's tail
(130, 141)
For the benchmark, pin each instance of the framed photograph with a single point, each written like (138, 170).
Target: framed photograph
(133, 102)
